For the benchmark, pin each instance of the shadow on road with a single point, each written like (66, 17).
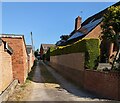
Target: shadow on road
(39, 74)
(34, 74)
(71, 87)
(45, 74)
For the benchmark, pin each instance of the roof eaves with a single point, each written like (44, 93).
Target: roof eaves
(11, 36)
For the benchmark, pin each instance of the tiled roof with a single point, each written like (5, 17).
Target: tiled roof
(45, 46)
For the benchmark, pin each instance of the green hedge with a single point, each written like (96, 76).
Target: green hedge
(88, 46)
(47, 55)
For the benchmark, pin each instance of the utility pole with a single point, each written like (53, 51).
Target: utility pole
(32, 42)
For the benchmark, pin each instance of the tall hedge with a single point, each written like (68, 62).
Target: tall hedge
(47, 55)
(88, 46)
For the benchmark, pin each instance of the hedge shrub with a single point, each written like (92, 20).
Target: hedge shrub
(47, 55)
(88, 46)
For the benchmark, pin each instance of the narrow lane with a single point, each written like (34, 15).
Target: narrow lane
(41, 91)
(46, 91)
(38, 92)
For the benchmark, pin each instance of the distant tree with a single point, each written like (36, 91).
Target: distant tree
(36, 53)
(111, 28)
(64, 37)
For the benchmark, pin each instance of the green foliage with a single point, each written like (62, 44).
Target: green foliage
(88, 46)
(36, 53)
(52, 48)
(111, 23)
(111, 28)
(47, 55)
(43, 57)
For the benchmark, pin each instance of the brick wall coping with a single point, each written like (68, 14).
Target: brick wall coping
(105, 72)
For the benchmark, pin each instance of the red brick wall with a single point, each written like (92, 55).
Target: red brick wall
(19, 58)
(73, 60)
(70, 66)
(74, 75)
(102, 83)
(106, 84)
(6, 75)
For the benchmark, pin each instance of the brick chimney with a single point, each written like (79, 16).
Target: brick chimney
(78, 21)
